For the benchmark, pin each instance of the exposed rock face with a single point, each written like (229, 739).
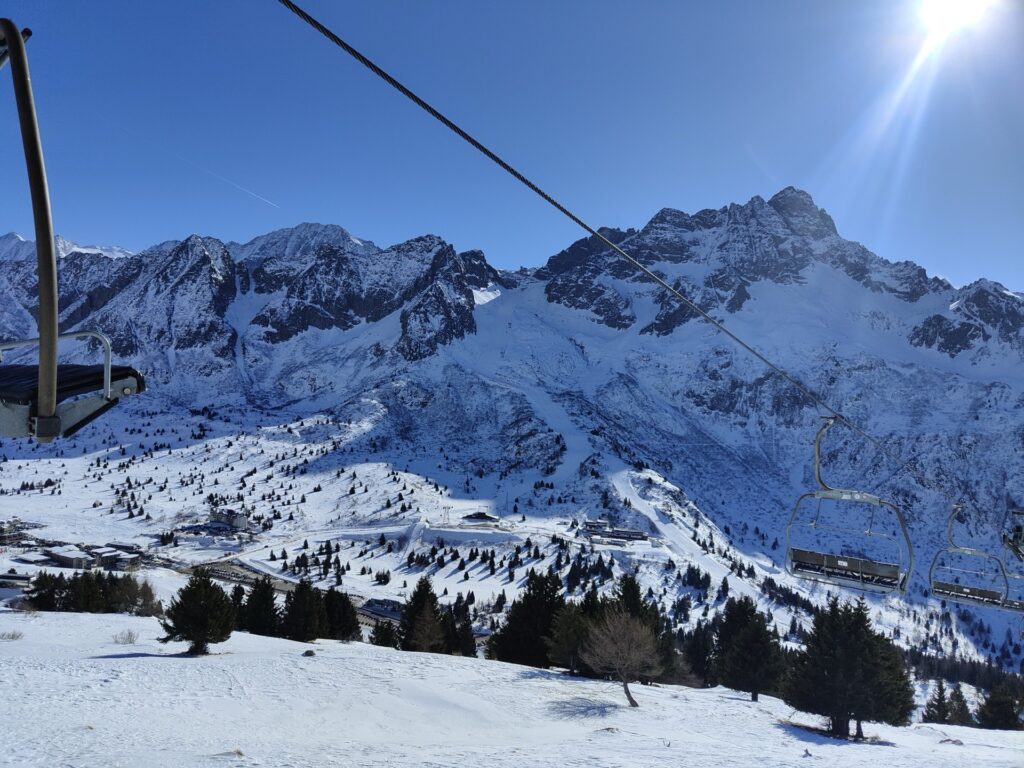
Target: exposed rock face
(584, 357)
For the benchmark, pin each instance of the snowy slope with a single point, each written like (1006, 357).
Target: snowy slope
(72, 696)
(315, 345)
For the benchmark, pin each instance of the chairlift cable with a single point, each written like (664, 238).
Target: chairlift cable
(717, 324)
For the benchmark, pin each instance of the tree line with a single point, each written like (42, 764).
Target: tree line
(846, 670)
(1001, 709)
(202, 613)
(92, 592)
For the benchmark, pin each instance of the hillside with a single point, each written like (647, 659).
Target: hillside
(281, 367)
(74, 696)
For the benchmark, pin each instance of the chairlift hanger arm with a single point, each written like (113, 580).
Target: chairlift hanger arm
(46, 258)
(26, 33)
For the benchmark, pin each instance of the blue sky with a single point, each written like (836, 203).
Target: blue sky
(154, 114)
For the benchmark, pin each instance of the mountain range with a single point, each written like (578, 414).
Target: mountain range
(581, 366)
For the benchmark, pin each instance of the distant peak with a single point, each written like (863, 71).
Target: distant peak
(799, 211)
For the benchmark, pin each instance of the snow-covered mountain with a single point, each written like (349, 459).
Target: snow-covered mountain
(575, 371)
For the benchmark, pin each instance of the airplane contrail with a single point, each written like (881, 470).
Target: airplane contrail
(204, 169)
(233, 184)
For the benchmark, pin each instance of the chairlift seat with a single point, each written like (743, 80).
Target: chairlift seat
(842, 568)
(960, 593)
(84, 392)
(1014, 605)
(19, 383)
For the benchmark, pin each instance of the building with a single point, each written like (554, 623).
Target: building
(383, 608)
(595, 526)
(481, 518)
(128, 562)
(238, 521)
(9, 530)
(70, 556)
(124, 546)
(625, 534)
(32, 558)
(106, 557)
(12, 580)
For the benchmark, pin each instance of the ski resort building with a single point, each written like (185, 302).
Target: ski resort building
(237, 521)
(70, 556)
(480, 518)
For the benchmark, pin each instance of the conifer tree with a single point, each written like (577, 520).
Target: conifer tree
(849, 671)
(568, 637)
(304, 618)
(342, 620)
(530, 616)
(746, 654)
(820, 677)
(937, 708)
(384, 634)
(1000, 710)
(262, 616)
(959, 711)
(465, 642)
(420, 628)
(237, 603)
(698, 650)
(201, 614)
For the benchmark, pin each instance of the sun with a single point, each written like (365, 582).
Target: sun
(944, 18)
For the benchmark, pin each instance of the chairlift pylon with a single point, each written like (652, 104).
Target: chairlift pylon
(863, 573)
(49, 400)
(995, 593)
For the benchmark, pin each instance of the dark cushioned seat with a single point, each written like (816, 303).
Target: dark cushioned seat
(20, 383)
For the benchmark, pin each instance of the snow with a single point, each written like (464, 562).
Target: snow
(481, 297)
(74, 697)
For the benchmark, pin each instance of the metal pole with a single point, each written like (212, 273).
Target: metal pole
(46, 260)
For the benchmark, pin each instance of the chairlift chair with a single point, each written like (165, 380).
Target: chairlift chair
(989, 586)
(863, 573)
(48, 400)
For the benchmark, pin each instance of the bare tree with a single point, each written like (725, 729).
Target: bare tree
(623, 646)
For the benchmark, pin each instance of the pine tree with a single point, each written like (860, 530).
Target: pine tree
(847, 670)
(819, 678)
(341, 616)
(237, 603)
(568, 637)
(937, 708)
(698, 650)
(304, 618)
(746, 655)
(384, 634)
(959, 711)
(201, 614)
(420, 628)
(465, 642)
(261, 613)
(1001, 709)
(893, 695)
(521, 639)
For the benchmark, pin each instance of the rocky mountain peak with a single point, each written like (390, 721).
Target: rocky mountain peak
(799, 211)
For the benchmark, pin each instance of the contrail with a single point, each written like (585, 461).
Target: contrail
(204, 169)
(233, 184)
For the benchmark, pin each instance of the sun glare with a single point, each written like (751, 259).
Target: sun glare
(943, 18)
